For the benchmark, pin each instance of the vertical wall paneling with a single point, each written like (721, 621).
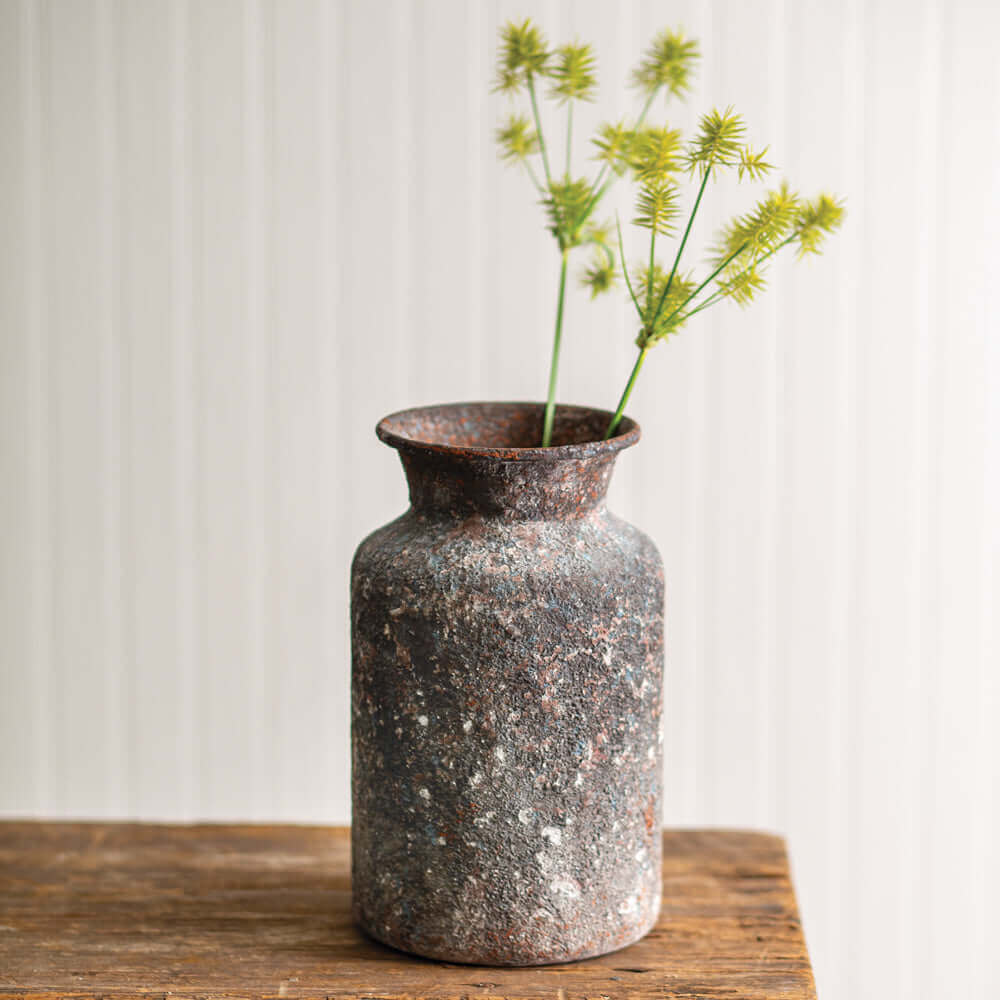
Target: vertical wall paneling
(743, 394)
(115, 606)
(813, 474)
(989, 707)
(333, 790)
(18, 249)
(300, 271)
(38, 423)
(76, 314)
(146, 515)
(223, 366)
(834, 957)
(967, 240)
(267, 756)
(183, 408)
(239, 232)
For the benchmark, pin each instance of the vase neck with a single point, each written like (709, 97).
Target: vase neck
(485, 459)
(459, 487)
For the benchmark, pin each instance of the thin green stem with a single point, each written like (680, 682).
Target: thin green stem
(628, 283)
(695, 293)
(721, 294)
(569, 135)
(650, 275)
(680, 249)
(538, 129)
(550, 404)
(534, 179)
(617, 418)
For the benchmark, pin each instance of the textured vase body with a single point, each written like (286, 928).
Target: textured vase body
(507, 636)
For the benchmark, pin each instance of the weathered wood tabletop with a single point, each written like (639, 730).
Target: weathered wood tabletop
(89, 910)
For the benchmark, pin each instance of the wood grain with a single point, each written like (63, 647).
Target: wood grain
(89, 910)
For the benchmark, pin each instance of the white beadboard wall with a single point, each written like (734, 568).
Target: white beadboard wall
(235, 234)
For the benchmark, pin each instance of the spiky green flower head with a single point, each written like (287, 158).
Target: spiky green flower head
(668, 62)
(650, 287)
(742, 285)
(655, 154)
(568, 206)
(656, 206)
(816, 220)
(573, 72)
(600, 277)
(523, 55)
(517, 139)
(602, 274)
(718, 142)
(614, 144)
(760, 230)
(750, 239)
(753, 165)
(600, 234)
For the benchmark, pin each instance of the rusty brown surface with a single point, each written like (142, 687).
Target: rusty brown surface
(506, 699)
(121, 910)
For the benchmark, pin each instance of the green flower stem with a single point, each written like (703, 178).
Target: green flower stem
(538, 129)
(550, 405)
(617, 418)
(721, 294)
(716, 272)
(652, 270)
(628, 282)
(534, 179)
(680, 249)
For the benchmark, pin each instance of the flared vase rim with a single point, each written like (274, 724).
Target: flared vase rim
(406, 430)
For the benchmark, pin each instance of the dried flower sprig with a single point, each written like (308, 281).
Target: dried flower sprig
(665, 301)
(524, 59)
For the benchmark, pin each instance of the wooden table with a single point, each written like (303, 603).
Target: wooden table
(90, 910)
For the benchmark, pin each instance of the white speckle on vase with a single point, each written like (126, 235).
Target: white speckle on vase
(467, 725)
(524, 816)
(629, 906)
(579, 779)
(565, 887)
(640, 855)
(475, 779)
(420, 693)
(500, 754)
(552, 834)
(607, 657)
(424, 794)
(441, 840)
(541, 914)
(385, 629)
(422, 719)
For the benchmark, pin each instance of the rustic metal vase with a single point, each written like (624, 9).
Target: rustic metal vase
(507, 639)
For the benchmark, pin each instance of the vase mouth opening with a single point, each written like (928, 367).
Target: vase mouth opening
(510, 432)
